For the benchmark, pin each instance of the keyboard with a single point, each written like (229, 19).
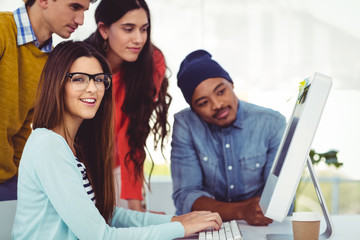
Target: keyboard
(228, 231)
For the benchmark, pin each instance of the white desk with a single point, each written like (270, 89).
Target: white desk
(346, 227)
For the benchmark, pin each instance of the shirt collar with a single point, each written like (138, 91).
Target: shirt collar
(238, 121)
(239, 116)
(25, 32)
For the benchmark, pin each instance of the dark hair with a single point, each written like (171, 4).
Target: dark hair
(29, 3)
(94, 139)
(139, 105)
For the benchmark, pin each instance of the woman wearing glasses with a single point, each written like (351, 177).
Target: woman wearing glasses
(65, 187)
(140, 87)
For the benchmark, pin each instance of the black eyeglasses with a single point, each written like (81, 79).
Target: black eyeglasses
(80, 81)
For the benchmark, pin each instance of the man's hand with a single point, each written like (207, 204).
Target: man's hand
(253, 214)
(248, 210)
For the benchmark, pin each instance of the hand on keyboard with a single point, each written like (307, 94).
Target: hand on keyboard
(198, 220)
(228, 231)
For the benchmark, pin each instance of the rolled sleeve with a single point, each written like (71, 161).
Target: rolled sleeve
(191, 198)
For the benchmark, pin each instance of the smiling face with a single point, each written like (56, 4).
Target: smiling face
(215, 101)
(63, 16)
(126, 37)
(82, 104)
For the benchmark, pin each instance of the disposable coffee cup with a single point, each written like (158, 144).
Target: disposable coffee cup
(306, 225)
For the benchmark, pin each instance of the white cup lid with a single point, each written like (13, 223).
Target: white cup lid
(306, 216)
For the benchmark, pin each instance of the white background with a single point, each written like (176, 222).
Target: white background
(268, 47)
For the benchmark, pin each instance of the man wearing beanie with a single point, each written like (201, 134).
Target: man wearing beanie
(222, 148)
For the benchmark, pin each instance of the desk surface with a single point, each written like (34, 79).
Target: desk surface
(345, 227)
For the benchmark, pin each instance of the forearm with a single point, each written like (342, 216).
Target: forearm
(248, 210)
(135, 204)
(227, 210)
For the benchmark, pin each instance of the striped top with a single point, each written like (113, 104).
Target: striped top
(86, 181)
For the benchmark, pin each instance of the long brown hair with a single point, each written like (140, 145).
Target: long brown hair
(144, 114)
(94, 139)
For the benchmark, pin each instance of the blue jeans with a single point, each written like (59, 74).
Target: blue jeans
(8, 189)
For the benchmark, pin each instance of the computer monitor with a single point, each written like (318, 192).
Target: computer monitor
(293, 152)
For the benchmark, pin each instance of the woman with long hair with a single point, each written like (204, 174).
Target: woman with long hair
(65, 187)
(140, 87)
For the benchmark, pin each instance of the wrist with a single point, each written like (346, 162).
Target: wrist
(240, 210)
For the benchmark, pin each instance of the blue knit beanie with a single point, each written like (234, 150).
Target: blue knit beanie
(195, 68)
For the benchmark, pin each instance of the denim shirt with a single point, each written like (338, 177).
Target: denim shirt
(228, 164)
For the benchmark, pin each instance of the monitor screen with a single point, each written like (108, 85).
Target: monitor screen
(289, 162)
(284, 149)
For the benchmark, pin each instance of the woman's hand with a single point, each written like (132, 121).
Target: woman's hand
(198, 220)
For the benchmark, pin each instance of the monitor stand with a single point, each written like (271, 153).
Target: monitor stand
(329, 231)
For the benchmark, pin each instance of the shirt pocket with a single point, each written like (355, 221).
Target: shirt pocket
(209, 168)
(252, 172)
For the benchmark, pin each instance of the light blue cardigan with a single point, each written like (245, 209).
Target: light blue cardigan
(53, 204)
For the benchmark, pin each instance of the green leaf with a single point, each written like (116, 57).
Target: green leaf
(330, 158)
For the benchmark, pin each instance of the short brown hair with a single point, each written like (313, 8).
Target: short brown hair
(29, 3)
